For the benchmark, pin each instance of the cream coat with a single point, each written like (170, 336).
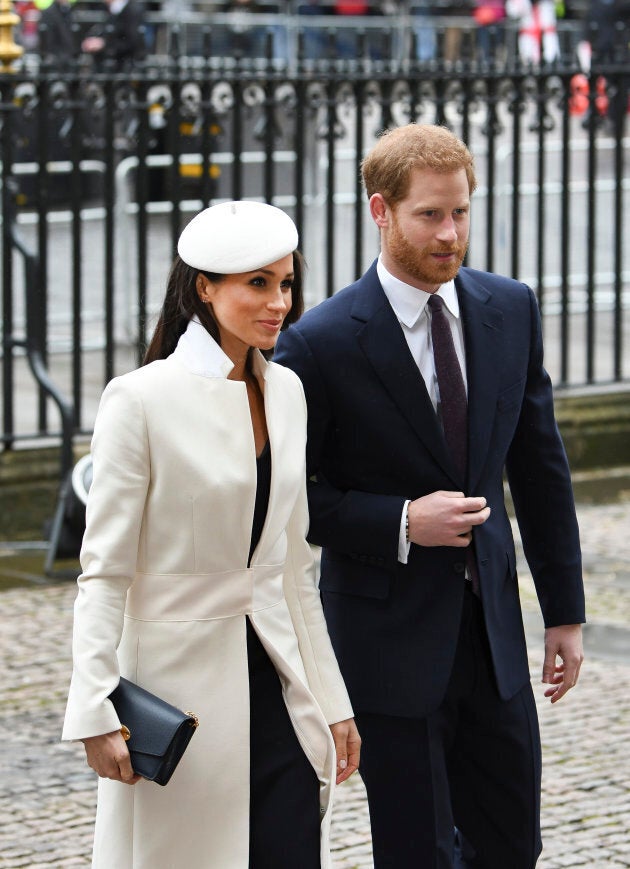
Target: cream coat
(165, 592)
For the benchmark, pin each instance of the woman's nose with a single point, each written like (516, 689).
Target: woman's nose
(278, 301)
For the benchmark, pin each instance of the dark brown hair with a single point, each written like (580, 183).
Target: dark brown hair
(182, 302)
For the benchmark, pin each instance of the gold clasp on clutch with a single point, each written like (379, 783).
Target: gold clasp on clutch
(126, 733)
(195, 720)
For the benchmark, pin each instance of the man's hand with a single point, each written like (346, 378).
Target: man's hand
(445, 518)
(93, 44)
(564, 642)
(347, 747)
(108, 756)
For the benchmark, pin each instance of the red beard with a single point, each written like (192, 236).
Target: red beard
(419, 262)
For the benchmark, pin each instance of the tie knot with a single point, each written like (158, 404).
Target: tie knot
(435, 303)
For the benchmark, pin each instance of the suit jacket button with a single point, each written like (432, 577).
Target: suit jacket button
(459, 567)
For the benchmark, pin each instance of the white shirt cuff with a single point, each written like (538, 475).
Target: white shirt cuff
(403, 544)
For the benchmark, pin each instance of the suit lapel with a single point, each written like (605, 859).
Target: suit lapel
(382, 340)
(383, 343)
(483, 334)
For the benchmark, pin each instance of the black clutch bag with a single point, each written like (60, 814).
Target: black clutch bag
(157, 733)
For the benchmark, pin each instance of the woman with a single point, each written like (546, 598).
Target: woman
(197, 581)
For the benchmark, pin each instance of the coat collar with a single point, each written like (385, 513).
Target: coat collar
(200, 354)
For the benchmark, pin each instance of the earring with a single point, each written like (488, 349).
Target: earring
(202, 290)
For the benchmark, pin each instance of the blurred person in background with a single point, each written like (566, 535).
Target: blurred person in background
(424, 31)
(348, 43)
(537, 29)
(119, 42)
(26, 32)
(489, 16)
(248, 38)
(314, 39)
(453, 32)
(607, 41)
(58, 37)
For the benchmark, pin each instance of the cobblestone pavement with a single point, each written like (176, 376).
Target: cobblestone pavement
(47, 794)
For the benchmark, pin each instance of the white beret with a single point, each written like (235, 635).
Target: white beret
(235, 237)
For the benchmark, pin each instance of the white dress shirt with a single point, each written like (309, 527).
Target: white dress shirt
(413, 314)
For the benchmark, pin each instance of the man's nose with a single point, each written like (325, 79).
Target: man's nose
(447, 229)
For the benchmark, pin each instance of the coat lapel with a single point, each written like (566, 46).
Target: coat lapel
(288, 460)
(381, 338)
(483, 334)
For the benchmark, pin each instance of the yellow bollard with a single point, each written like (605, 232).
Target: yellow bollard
(9, 51)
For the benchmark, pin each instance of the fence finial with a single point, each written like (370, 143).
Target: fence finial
(9, 51)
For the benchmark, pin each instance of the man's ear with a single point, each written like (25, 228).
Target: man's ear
(379, 210)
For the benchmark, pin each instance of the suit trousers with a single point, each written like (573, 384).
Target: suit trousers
(284, 788)
(474, 765)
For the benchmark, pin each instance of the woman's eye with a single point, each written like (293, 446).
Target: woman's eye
(257, 282)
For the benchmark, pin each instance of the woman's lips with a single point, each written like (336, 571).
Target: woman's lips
(270, 325)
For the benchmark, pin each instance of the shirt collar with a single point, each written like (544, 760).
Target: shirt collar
(409, 302)
(200, 354)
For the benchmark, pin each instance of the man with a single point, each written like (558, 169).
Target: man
(418, 572)
(58, 40)
(606, 25)
(121, 39)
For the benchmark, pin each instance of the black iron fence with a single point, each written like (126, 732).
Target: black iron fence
(100, 171)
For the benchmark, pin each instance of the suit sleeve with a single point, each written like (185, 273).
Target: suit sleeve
(363, 525)
(540, 485)
(108, 558)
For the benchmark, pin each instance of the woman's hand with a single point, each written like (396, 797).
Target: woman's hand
(347, 747)
(108, 756)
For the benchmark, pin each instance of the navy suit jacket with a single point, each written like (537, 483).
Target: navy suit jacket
(374, 440)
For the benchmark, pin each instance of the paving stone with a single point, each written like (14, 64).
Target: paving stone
(48, 794)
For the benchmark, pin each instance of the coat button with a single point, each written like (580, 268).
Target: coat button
(459, 567)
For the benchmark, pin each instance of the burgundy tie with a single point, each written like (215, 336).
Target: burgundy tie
(452, 403)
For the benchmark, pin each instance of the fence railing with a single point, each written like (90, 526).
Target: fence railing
(109, 168)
